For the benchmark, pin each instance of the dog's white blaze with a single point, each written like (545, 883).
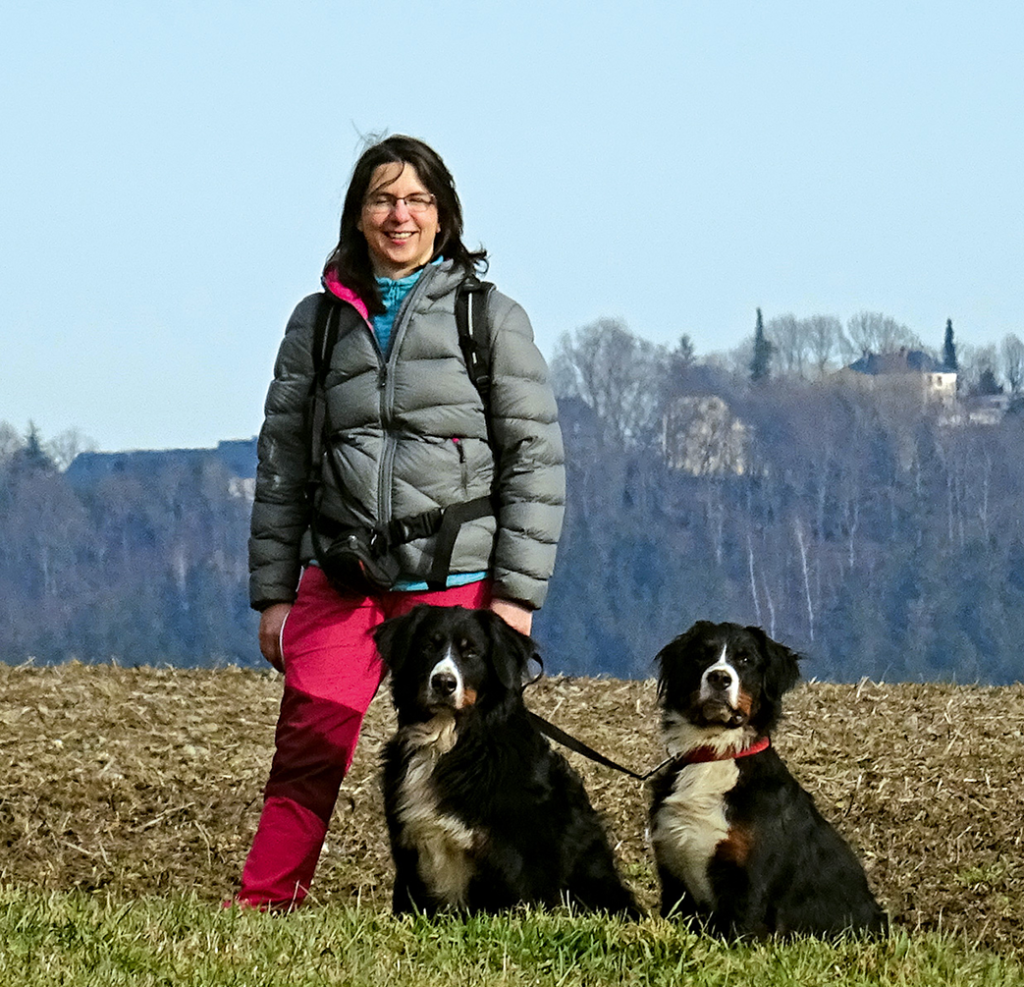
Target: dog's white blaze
(442, 842)
(733, 692)
(448, 664)
(691, 823)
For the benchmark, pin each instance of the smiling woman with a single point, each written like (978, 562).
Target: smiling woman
(399, 221)
(410, 450)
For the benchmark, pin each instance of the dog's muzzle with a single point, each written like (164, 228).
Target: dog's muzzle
(443, 684)
(446, 688)
(718, 711)
(718, 701)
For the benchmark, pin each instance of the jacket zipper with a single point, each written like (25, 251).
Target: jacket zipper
(386, 387)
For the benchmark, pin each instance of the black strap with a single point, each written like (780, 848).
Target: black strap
(325, 336)
(471, 300)
(568, 740)
(455, 516)
(443, 522)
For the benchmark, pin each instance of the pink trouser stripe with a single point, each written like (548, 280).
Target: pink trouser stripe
(332, 673)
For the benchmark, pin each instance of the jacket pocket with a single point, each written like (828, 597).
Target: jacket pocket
(460, 448)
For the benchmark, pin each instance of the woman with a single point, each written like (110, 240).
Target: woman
(408, 432)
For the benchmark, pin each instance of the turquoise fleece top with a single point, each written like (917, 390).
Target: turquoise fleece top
(392, 294)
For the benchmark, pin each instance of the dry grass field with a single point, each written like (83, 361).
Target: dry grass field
(146, 781)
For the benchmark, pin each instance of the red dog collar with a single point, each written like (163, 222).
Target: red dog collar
(700, 755)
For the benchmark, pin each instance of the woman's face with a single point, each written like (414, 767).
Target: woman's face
(399, 221)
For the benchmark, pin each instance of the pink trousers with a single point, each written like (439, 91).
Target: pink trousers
(331, 673)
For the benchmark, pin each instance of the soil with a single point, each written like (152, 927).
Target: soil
(149, 781)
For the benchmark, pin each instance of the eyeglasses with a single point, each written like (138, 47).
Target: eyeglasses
(381, 203)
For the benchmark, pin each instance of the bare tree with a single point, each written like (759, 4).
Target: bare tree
(617, 374)
(10, 441)
(975, 363)
(874, 332)
(1012, 351)
(789, 342)
(63, 448)
(824, 340)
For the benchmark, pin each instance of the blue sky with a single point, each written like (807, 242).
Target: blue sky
(172, 173)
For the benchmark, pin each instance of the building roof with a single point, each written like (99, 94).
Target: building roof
(903, 361)
(238, 456)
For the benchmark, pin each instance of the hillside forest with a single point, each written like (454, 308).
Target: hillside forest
(873, 528)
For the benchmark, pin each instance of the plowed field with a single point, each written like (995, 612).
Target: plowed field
(147, 781)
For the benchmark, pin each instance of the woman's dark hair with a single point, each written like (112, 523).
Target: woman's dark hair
(350, 259)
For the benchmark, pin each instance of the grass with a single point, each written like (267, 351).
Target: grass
(77, 938)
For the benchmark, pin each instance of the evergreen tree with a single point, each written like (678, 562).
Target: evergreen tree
(949, 348)
(987, 384)
(32, 456)
(760, 365)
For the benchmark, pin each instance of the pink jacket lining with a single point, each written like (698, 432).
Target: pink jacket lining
(345, 293)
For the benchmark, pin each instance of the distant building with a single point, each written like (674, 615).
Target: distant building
(701, 436)
(237, 456)
(908, 371)
(905, 370)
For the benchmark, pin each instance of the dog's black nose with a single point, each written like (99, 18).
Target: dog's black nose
(719, 678)
(443, 683)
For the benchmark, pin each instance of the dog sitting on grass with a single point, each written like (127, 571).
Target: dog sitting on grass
(482, 814)
(738, 842)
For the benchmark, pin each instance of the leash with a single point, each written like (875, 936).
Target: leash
(700, 755)
(567, 740)
(696, 756)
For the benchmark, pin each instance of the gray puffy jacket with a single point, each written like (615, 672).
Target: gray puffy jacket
(408, 434)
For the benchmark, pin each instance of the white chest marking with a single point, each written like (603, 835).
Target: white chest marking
(691, 823)
(442, 842)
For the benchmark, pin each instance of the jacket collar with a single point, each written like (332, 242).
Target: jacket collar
(437, 279)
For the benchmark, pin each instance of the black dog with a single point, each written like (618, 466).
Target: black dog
(482, 814)
(739, 844)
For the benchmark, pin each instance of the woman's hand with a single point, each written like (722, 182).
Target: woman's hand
(518, 617)
(271, 622)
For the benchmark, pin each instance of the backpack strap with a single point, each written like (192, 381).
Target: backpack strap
(325, 336)
(473, 322)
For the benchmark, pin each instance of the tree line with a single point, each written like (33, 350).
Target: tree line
(879, 534)
(856, 524)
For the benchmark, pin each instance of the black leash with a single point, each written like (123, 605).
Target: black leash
(567, 740)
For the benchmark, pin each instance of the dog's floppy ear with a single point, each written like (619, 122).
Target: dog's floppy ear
(783, 669)
(511, 651)
(677, 648)
(394, 637)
